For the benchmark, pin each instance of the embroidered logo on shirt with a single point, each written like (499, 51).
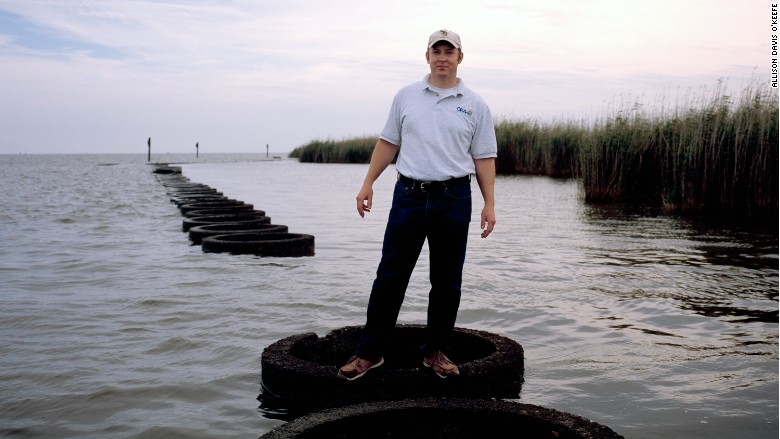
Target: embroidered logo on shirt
(467, 111)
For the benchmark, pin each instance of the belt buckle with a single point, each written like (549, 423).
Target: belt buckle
(424, 186)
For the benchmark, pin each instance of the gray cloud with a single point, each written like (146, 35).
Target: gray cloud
(98, 76)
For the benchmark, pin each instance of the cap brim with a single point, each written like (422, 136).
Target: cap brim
(456, 45)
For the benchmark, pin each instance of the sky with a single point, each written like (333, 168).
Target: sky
(103, 76)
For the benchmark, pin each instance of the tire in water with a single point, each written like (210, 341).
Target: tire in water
(261, 244)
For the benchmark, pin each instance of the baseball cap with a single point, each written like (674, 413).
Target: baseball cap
(444, 35)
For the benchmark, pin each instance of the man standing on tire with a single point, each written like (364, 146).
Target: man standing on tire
(443, 133)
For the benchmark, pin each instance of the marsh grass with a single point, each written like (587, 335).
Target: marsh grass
(355, 150)
(710, 153)
(534, 148)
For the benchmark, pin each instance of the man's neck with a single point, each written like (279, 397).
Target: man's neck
(443, 82)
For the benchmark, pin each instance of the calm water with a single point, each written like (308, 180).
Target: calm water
(114, 326)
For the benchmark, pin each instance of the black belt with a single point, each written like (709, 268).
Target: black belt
(432, 186)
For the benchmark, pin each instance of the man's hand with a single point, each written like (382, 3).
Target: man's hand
(486, 178)
(383, 154)
(488, 221)
(364, 198)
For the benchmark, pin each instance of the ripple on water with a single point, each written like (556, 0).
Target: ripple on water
(114, 325)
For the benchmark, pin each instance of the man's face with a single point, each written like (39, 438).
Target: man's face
(443, 59)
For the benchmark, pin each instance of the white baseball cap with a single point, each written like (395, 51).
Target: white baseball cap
(444, 35)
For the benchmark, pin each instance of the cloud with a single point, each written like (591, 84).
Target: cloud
(99, 75)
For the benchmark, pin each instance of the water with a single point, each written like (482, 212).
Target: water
(114, 326)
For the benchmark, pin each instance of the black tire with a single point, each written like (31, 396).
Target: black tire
(188, 223)
(261, 244)
(204, 198)
(193, 192)
(167, 170)
(299, 372)
(171, 179)
(435, 418)
(199, 232)
(207, 204)
(185, 185)
(231, 210)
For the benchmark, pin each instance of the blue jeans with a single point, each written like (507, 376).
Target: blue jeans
(442, 217)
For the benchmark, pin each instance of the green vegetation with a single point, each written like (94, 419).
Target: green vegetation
(538, 149)
(357, 150)
(717, 157)
(713, 155)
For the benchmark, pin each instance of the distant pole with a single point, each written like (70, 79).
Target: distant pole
(149, 154)
(196, 149)
(266, 150)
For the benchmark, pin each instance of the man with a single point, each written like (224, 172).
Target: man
(445, 134)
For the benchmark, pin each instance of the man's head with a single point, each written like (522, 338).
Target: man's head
(443, 55)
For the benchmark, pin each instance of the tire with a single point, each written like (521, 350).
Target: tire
(165, 179)
(188, 223)
(167, 170)
(207, 204)
(204, 198)
(199, 232)
(185, 185)
(260, 244)
(434, 418)
(299, 372)
(193, 192)
(232, 210)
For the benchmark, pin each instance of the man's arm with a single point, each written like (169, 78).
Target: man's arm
(486, 178)
(383, 155)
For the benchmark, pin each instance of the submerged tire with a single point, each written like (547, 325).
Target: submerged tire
(167, 179)
(206, 204)
(167, 170)
(166, 165)
(434, 418)
(193, 193)
(299, 372)
(199, 232)
(188, 223)
(261, 244)
(232, 210)
(185, 185)
(204, 198)
(173, 186)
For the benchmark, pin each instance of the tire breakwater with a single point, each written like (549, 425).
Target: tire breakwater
(226, 225)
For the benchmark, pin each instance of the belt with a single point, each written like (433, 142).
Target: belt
(432, 186)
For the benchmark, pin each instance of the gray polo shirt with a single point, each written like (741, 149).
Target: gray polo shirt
(440, 132)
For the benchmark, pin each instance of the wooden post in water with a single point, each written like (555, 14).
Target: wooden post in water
(149, 154)
(196, 149)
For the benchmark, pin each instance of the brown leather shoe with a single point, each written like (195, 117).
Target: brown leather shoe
(357, 367)
(441, 365)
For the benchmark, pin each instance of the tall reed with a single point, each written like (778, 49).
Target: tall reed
(530, 147)
(356, 150)
(714, 155)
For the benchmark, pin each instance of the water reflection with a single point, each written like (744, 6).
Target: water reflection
(741, 315)
(700, 265)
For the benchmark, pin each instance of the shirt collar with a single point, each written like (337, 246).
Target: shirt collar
(456, 91)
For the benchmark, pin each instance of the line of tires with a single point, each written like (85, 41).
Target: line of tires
(220, 224)
(402, 399)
